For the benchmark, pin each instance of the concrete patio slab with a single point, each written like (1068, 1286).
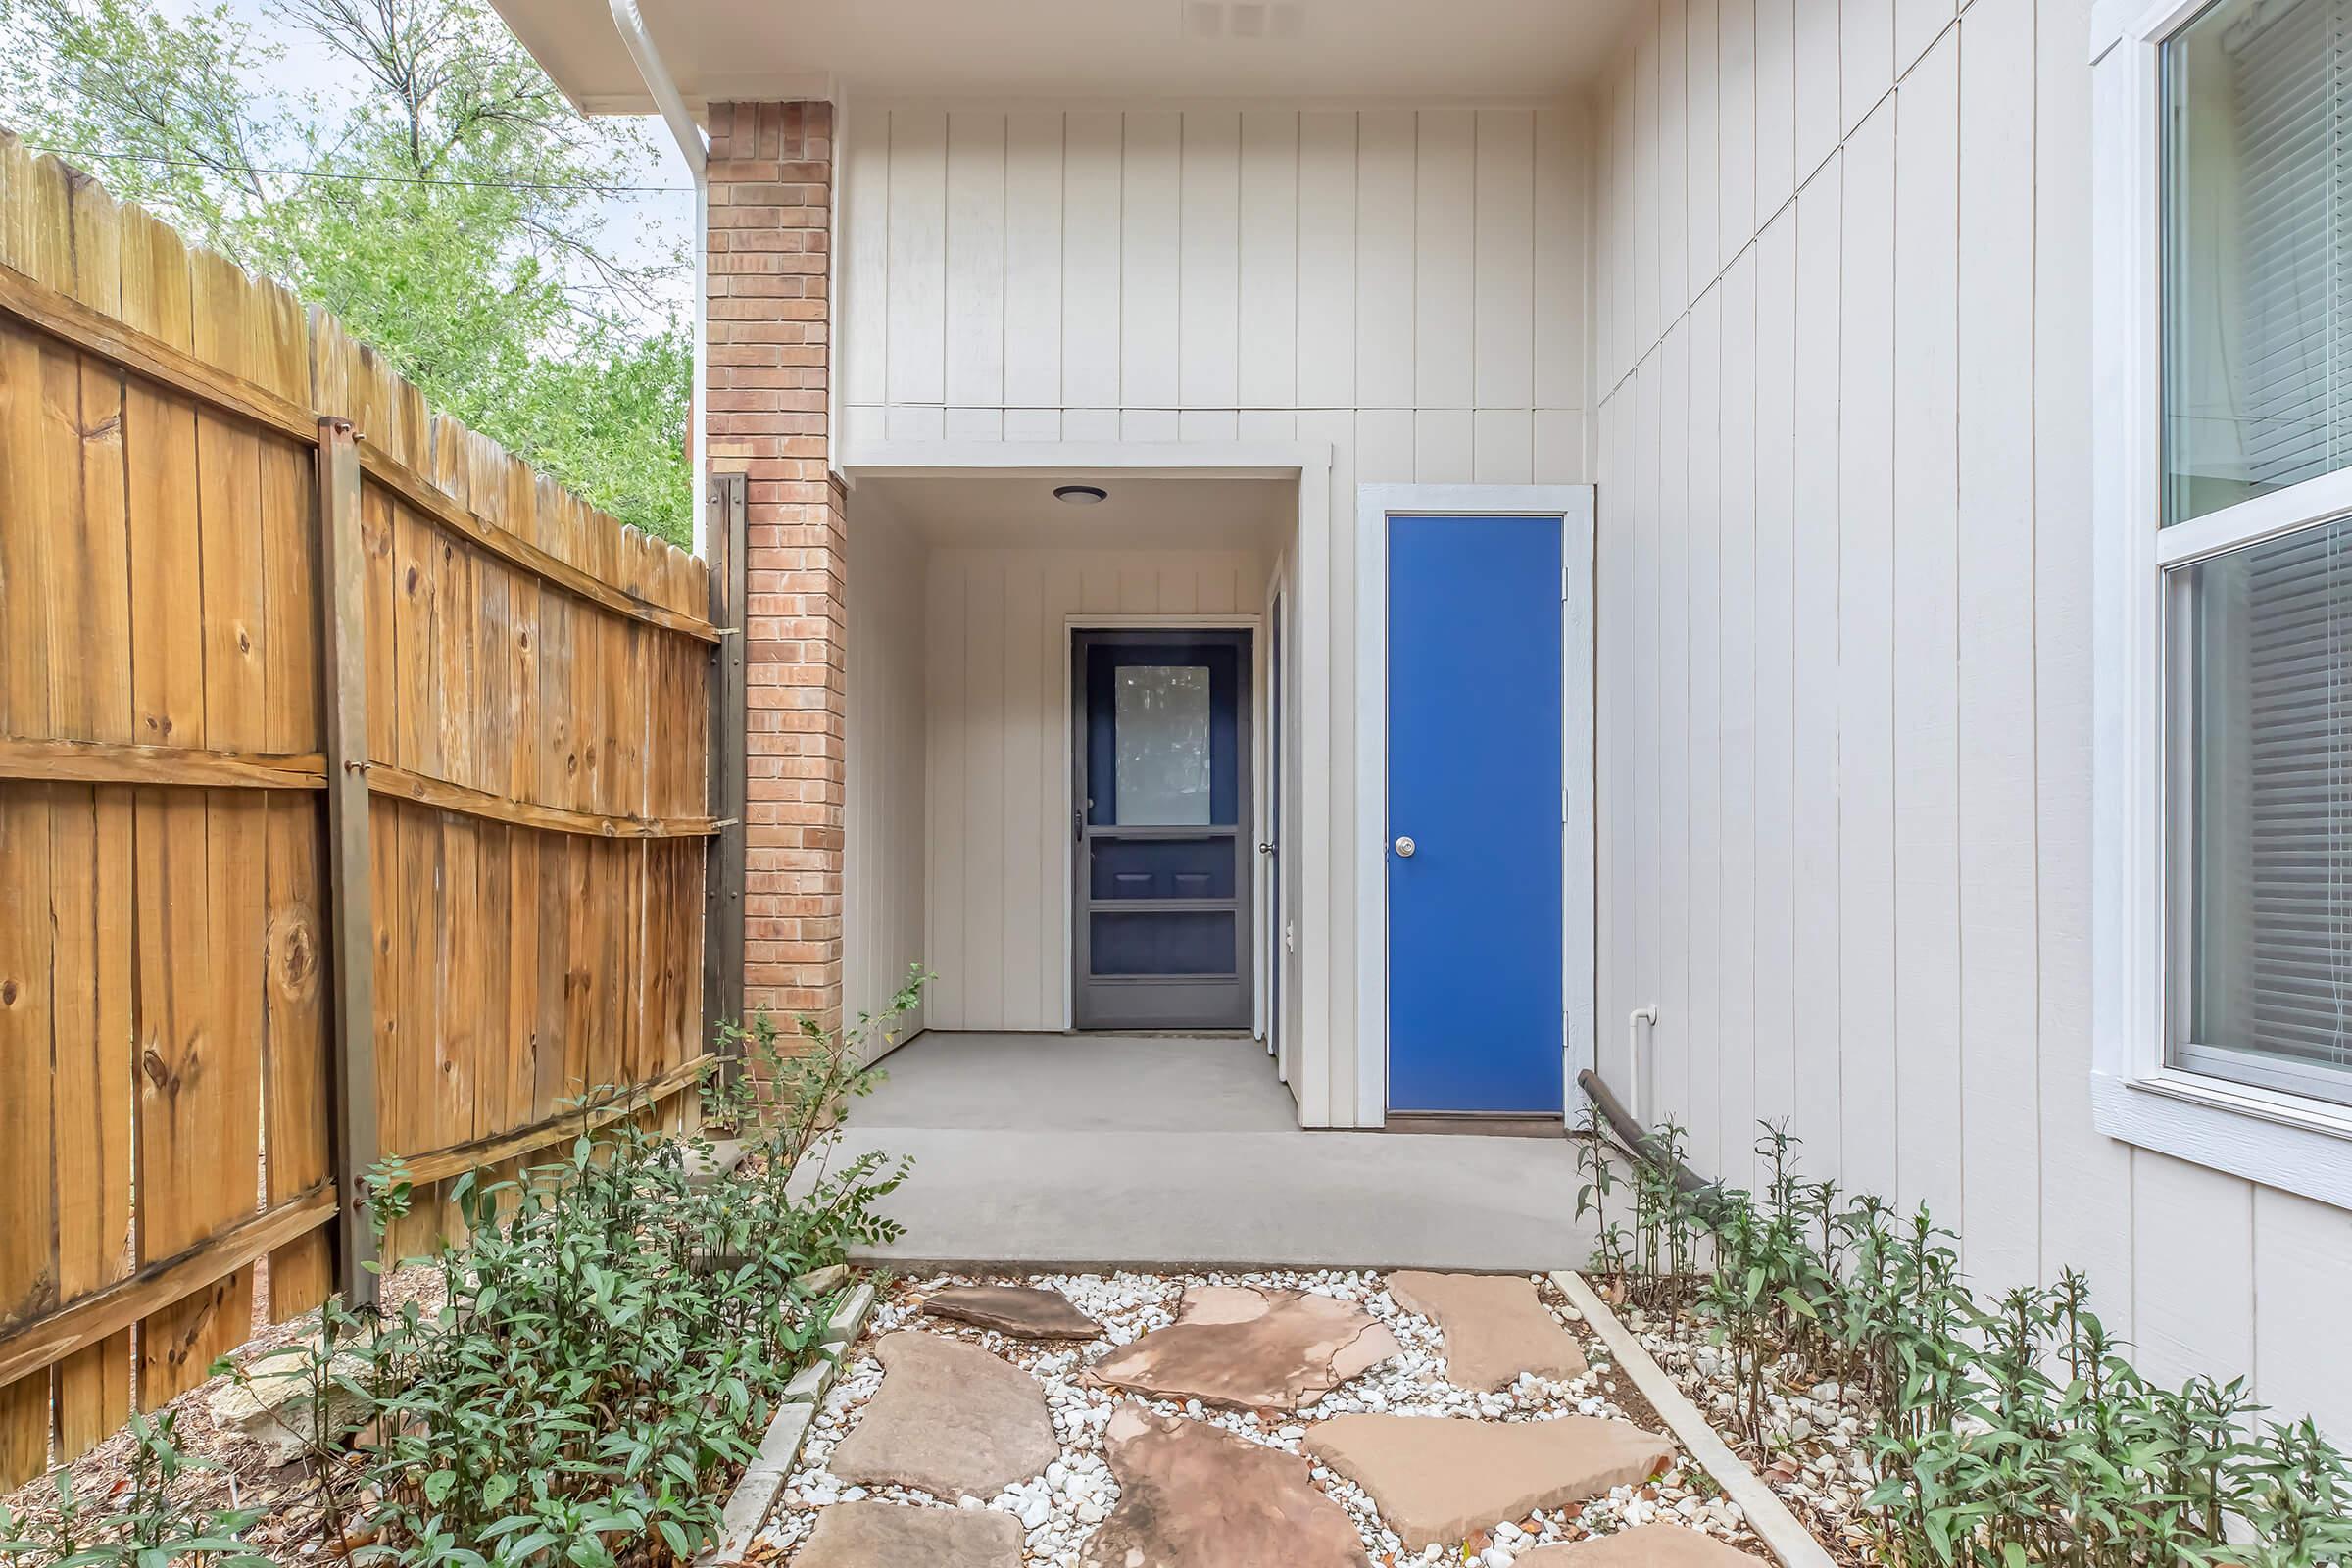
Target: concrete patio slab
(1168, 1151)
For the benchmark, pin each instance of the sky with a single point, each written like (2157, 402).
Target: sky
(644, 226)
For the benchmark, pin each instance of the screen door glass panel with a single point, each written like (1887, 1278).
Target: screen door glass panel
(1160, 729)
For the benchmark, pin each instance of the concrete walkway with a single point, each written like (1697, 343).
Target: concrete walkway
(1176, 1151)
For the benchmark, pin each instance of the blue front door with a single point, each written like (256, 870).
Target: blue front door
(1474, 785)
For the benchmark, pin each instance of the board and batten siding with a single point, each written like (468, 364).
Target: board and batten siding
(1406, 286)
(882, 908)
(998, 698)
(1842, 287)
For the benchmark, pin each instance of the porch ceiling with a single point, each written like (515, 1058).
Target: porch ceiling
(1078, 49)
(1017, 511)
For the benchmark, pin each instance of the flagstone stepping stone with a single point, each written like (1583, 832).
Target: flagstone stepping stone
(1251, 1348)
(1016, 1309)
(1437, 1479)
(1192, 1495)
(885, 1534)
(1495, 1327)
(1644, 1547)
(950, 1419)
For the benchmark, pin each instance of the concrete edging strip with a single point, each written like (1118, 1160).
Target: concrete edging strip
(755, 1496)
(1767, 1515)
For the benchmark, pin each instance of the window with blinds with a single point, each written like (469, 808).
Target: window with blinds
(2271, 814)
(2258, 347)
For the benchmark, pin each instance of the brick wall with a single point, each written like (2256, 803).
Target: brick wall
(770, 359)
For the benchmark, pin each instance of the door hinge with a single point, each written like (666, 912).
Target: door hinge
(1563, 807)
(1563, 585)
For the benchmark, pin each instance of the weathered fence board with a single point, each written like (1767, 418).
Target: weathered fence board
(519, 786)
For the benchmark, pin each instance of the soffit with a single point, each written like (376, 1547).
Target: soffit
(1017, 511)
(1114, 50)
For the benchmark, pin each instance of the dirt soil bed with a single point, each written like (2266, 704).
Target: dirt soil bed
(233, 1470)
(1813, 1455)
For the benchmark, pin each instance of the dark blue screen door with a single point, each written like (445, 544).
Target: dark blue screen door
(1474, 776)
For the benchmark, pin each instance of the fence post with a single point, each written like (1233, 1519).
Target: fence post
(724, 521)
(343, 653)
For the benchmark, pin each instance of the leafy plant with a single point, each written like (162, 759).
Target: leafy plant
(1654, 1262)
(613, 1330)
(152, 1528)
(2002, 1433)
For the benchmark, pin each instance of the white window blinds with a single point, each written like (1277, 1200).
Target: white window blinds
(2292, 92)
(2268, 692)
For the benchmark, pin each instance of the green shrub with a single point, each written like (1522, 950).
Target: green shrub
(2002, 1433)
(151, 1528)
(612, 1334)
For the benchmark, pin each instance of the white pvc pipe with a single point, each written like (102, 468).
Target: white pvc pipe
(1637, 1065)
(692, 146)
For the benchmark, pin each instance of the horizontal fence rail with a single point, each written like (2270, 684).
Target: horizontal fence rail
(353, 805)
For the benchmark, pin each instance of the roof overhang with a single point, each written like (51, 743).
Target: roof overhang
(1470, 51)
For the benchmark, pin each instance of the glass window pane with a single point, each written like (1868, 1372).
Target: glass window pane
(2255, 265)
(2261, 790)
(1160, 714)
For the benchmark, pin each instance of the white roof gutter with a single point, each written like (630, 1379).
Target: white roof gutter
(697, 153)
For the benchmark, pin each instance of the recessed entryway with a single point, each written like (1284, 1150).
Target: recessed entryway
(1160, 904)
(973, 578)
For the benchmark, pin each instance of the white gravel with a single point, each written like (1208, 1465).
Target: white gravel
(1063, 1508)
(1813, 1454)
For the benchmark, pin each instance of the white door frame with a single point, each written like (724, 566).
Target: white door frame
(1272, 947)
(1071, 625)
(1573, 505)
(1309, 463)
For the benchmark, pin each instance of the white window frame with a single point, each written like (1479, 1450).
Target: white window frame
(2293, 1142)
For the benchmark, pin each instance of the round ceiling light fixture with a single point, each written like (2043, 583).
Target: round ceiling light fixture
(1080, 495)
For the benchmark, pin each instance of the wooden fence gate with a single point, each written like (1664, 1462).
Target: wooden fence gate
(353, 804)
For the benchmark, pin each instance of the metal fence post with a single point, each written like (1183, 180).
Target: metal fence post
(722, 878)
(343, 651)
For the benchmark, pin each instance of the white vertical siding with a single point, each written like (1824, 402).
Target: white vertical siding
(975, 261)
(1890, 536)
(1736, 1032)
(1406, 286)
(2000, 1032)
(1865, 617)
(1926, 632)
(882, 872)
(1703, 719)
(1814, 756)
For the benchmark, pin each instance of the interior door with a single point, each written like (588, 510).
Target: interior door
(1161, 821)
(1475, 810)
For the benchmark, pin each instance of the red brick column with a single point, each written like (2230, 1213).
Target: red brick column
(771, 184)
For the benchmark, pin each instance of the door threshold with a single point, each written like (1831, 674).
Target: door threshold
(1475, 1124)
(1172, 1032)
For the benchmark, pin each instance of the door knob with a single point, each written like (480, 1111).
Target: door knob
(1265, 848)
(1404, 847)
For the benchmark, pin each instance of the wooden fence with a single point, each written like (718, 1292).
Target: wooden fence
(352, 804)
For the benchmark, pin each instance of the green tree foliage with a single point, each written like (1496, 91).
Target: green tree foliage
(450, 208)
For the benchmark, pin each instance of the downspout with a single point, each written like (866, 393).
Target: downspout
(696, 151)
(1639, 1143)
